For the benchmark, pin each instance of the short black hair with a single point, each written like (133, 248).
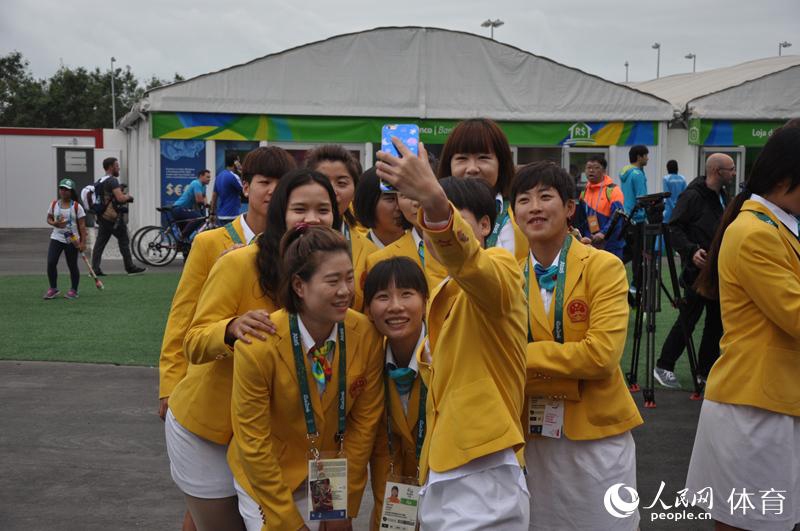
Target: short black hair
(401, 271)
(269, 161)
(601, 160)
(672, 166)
(108, 162)
(543, 173)
(636, 152)
(203, 172)
(472, 194)
(230, 158)
(368, 193)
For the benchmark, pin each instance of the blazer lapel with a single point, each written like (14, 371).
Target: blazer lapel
(576, 258)
(413, 410)
(442, 300)
(539, 320)
(399, 424)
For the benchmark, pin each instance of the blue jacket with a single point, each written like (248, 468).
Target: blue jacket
(634, 184)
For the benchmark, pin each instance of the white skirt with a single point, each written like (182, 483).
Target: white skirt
(198, 466)
(568, 481)
(743, 448)
(494, 498)
(251, 512)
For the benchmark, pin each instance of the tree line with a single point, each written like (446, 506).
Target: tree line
(70, 98)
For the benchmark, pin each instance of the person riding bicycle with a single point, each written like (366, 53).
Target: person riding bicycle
(191, 204)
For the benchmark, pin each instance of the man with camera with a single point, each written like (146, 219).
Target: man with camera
(111, 207)
(692, 227)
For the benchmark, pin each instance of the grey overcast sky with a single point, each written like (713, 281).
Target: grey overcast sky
(192, 37)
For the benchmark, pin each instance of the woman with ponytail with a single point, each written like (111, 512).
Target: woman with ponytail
(748, 435)
(312, 390)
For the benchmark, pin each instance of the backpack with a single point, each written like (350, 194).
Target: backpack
(74, 207)
(87, 197)
(97, 206)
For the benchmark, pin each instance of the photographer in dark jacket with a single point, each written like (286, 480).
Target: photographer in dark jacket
(692, 226)
(111, 218)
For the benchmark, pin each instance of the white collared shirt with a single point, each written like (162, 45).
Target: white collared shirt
(506, 237)
(413, 365)
(547, 296)
(309, 343)
(246, 230)
(784, 217)
(374, 239)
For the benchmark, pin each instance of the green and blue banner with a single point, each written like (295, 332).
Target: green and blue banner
(240, 127)
(730, 133)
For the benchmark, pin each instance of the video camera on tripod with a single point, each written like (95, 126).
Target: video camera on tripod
(649, 283)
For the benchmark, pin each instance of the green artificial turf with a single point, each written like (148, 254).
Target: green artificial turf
(122, 324)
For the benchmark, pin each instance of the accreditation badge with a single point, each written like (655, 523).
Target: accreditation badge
(594, 225)
(400, 503)
(327, 489)
(545, 417)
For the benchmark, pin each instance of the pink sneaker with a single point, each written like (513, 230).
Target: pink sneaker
(52, 293)
(72, 294)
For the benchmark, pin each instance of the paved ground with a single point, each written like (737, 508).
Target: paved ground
(24, 251)
(81, 448)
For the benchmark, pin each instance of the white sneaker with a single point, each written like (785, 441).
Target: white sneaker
(666, 378)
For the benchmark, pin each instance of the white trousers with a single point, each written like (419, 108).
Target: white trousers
(251, 515)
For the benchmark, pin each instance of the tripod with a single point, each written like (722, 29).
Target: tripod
(649, 284)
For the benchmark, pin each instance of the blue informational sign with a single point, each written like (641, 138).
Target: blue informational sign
(181, 161)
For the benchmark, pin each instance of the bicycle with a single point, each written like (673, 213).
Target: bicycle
(159, 245)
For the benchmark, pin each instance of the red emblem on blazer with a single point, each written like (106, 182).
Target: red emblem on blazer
(578, 311)
(357, 387)
(462, 237)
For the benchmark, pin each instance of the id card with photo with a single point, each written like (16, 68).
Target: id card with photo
(327, 489)
(400, 503)
(546, 417)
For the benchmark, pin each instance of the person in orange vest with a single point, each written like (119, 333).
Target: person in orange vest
(600, 200)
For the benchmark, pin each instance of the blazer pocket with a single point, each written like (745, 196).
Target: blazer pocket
(477, 414)
(780, 375)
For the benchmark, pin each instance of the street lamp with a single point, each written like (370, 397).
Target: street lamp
(489, 23)
(657, 46)
(784, 44)
(113, 97)
(626, 71)
(693, 57)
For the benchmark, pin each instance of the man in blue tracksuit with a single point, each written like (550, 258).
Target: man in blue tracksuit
(634, 184)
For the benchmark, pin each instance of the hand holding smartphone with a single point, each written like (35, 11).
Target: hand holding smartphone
(408, 134)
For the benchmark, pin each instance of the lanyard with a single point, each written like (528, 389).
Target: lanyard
(302, 378)
(502, 219)
(423, 397)
(558, 321)
(346, 234)
(233, 234)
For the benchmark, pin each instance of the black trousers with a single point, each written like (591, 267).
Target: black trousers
(53, 255)
(712, 333)
(106, 229)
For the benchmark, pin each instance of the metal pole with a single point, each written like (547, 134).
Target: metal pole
(113, 97)
(626, 71)
(779, 49)
(694, 63)
(658, 63)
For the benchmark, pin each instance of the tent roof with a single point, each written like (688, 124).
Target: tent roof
(729, 85)
(408, 72)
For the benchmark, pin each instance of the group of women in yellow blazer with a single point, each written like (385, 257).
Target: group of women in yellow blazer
(477, 353)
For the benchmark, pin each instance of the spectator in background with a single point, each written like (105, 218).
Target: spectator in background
(675, 184)
(694, 221)
(226, 199)
(634, 184)
(112, 220)
(600, 200)
(67, 218)
(192, 203)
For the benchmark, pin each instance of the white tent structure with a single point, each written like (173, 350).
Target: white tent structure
(344, 88)
(732, 109)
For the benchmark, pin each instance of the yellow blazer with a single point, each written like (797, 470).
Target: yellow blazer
(585, 369)
(476, 331)
(759, 289)
(405, 246)
(521, 247)
(361, 249)
(201, 401)
(206, 248)
(269, 452)
(404, 445)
